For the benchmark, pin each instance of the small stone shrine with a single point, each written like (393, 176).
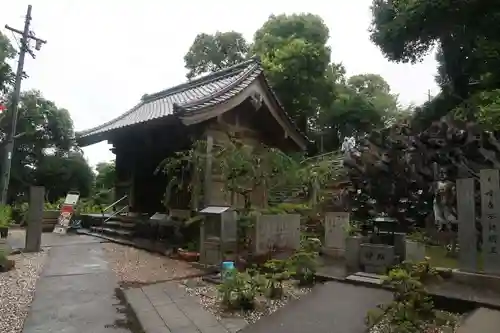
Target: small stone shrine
(218, 234)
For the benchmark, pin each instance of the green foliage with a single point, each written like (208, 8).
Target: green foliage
(106, 175)
(63, 172)
(287, 208)
(7, 52)
(417, 236)
(5, 216)
(352, 229)
(276, 273)
(304, 263)
(468, 49)
(210, 53)
(239, 290)
(412, 309)
(184, 171)
(51, 206)
(294, 53)
(41, 126)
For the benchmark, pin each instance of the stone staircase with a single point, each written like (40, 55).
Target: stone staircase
(121, 226)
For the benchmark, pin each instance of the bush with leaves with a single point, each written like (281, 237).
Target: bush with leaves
(304, 263)
(239, 290)
(276, 272)
(412, 310)
(5, 216)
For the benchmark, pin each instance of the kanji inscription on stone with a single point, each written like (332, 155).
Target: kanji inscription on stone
(490, 206)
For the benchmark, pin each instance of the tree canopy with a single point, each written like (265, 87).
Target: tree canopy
(468, 40)
(45, 152)
(210, 53)
(315, 92)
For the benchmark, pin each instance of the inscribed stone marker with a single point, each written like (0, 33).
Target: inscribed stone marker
(35, 214)
(466, 225)
(335, 223)
(490, 207)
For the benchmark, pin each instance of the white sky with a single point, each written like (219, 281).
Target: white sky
(103, 55)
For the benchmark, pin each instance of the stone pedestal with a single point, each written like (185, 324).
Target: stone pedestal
(415, 251)
(335, 243)
(352, 248)
(376, 258)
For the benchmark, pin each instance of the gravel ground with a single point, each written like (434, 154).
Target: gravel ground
(135, 267)
(207, 296)
(17, 288)
(450, 327)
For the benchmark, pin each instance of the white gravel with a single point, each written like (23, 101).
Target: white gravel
(208, 298)
(450, 327)
(17, 288)
(135, 267)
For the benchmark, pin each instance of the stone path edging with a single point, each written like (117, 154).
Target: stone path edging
(167, 308)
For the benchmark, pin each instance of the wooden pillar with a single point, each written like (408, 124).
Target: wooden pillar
(207, 182)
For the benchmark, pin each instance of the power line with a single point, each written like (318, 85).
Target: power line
(27, 36)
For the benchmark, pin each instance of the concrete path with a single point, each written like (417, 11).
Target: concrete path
(331, 307)
(167, 308)
(77, 292)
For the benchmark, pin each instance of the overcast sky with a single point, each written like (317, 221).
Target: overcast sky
(103, 55)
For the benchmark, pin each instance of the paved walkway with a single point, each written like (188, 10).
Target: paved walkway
(77, 292)
(167, 308)
(331, 307)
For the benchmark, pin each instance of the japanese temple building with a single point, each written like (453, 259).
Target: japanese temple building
(237, 100)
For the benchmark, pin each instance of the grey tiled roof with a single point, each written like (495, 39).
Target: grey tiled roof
(189, 97)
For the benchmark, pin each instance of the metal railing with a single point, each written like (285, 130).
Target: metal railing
(114, 204)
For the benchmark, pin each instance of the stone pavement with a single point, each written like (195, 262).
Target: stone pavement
(331, 307)
(167, 308)
(77, 292)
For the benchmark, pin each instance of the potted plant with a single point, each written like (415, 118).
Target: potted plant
(189, 253)
(415, 246)
(352, 245)
(5, 220)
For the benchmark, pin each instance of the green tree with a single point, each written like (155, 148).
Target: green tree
(210, 53)
(376, 91)
(7, 52)
(62, 172)
(296, 58)
(41, 127)
(363, 102)
(466, 32)
(105, 178)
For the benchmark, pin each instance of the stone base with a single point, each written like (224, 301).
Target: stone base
(334, 253)
(479, 280)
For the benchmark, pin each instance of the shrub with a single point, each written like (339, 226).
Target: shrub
(411, 309)
(276, 273)
(5, 215)
(239, 290)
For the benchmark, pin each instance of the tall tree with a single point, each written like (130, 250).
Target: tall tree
(41, 127)
(105, 178)
(60, 173)
(363, 102)
(210, 53)
(468, 35)
(296, 58)
(7, 52)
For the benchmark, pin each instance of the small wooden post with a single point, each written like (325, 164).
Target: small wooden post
(35, 215)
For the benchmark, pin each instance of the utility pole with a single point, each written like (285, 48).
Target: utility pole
(27, 36)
